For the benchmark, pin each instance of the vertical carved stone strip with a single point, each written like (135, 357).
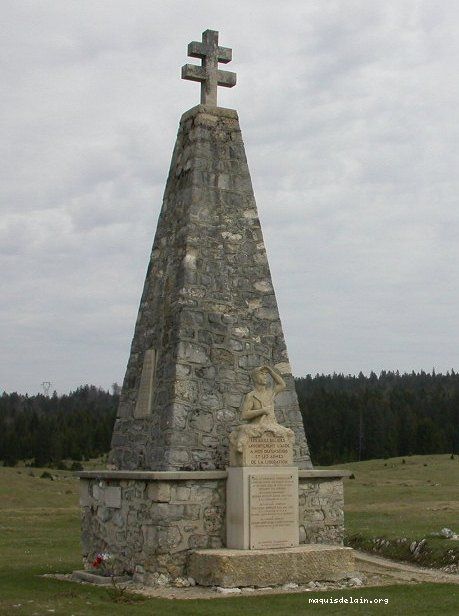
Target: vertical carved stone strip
(145, 395)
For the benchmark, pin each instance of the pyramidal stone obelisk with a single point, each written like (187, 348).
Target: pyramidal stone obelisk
(208, 314)
(191, 492)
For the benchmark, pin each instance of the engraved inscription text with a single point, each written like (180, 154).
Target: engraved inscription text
(273, 511)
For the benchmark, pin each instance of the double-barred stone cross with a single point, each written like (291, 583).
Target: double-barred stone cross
(208, 74)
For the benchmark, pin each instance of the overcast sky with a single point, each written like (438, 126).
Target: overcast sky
(349, 113)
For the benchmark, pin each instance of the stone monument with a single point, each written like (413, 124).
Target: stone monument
(207, 321)
(208, 313)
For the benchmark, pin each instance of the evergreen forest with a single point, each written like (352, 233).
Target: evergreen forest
(45, 430)
(347, 418)
(350, 418)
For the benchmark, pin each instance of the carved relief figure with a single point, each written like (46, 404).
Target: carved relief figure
(258, 406)
(258, 410)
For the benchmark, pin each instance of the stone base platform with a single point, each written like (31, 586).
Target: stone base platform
(303, 564)
(151, 521)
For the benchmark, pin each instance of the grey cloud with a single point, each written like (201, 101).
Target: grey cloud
(347, 110)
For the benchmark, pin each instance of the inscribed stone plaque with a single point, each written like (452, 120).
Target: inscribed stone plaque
(273, 511)
(268, 450)
(112, 497)
(145, 393)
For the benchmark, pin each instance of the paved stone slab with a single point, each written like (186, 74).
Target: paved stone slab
(303, 564)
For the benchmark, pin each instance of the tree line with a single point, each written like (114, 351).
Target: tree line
(46, 430)
(347, 418)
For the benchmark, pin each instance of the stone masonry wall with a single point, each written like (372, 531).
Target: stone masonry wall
(321, 516)
(151, 526)
(208, 311)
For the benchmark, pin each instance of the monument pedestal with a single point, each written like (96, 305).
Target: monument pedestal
(301, 564)
(263, 503)
(151, 522)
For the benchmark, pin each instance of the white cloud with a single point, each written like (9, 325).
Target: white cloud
(348, 114)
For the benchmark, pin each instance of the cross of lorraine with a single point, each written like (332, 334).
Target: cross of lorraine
(208, 74)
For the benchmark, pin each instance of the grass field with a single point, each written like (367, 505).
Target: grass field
(415, 498)
(39, 533)
(412, 500)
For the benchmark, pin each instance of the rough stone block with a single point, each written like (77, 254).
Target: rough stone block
(181, 493)
(165, 513)
(112, 497)
(159, 491)
(168, 538)
(303, 564)
(97, 492)
(202, 421)
(86, 499)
